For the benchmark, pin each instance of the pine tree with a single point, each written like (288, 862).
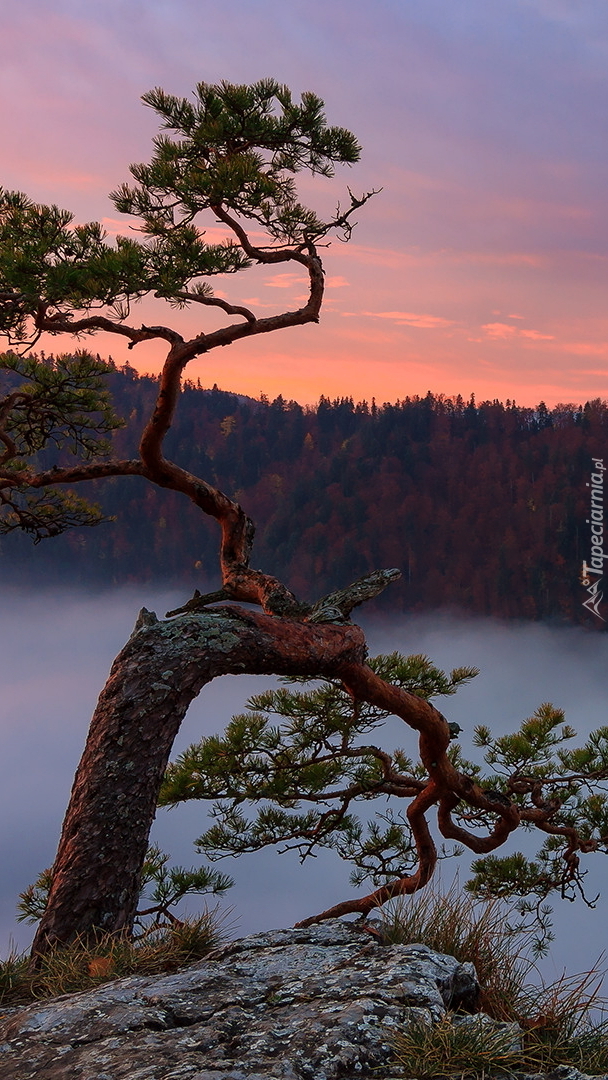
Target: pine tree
(232, 155)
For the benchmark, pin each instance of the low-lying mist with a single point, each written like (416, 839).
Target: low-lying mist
(57, 649)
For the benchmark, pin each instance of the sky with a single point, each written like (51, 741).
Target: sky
(55, 663)
(481, 265)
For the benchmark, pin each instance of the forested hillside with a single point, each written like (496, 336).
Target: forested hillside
(482, 506)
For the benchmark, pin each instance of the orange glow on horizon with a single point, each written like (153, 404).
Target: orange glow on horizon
(254, 368)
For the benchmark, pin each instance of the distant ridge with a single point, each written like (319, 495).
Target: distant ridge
(482, 505)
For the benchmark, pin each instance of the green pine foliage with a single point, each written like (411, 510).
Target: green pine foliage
(314, 755)
(300, 769)
(63, 402)
(162, 886)
(55, 409)
(570, 793)
(236, 145)
(45, 258)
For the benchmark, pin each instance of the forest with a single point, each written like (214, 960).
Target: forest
(483, 506)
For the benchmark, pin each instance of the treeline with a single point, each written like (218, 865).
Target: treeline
(483, 506)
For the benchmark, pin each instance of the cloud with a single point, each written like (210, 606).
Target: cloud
(389, 258)
(285, 281)
(535, 335)
(408, 318)
(499, 330)
(116, 227)
(586, 348)
(504, 331)
(500, 258)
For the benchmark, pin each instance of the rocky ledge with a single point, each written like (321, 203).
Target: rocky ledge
(304, 1004)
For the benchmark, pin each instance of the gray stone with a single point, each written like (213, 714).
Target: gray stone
(561, 1072)
(302, 1004)
(305, 1004)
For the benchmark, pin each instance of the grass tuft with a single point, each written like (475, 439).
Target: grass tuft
(469, 1051)
(480, 933)
(560, 1023)
(89, 962)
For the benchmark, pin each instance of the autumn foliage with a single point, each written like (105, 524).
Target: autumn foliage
(483, 505)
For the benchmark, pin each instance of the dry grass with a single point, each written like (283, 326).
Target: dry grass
(561, 1022)
(455, 923)
(464, 1051)
(476, 1052)
(88, 963)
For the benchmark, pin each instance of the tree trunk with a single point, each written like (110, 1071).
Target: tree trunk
(163, 666)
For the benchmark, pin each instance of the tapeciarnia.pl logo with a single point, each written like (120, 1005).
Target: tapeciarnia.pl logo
(595, 566)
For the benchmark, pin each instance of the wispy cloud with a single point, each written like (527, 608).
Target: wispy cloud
(504, 331)
(284, 281)
(254, 302)
(406, 318)
(535, 335)
(586, 348)
(499, 330)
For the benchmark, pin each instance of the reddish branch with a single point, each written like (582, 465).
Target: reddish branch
(445, 788)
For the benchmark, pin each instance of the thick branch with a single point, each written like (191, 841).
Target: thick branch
(261, 255)
(11, 448)
(337, 606)
(365, 685)
(238, 579)
(64, 324)
(229, 334)
(95, 470)
(446, 787)
(508, 820)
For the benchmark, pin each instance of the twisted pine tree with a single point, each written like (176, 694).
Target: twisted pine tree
(230, 157)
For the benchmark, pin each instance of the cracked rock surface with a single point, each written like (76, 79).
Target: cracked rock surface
(303, 1004)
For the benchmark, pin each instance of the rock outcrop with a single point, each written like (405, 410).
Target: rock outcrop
(303, 1004)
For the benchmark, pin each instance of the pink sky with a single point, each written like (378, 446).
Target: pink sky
(481, 267)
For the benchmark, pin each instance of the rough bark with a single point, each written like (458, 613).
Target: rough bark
(163, 666)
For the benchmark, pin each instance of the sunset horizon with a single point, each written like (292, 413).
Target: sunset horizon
(480, 265)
